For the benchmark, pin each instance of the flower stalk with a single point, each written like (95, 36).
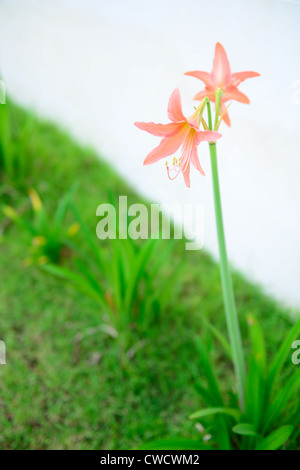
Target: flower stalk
(227, 288)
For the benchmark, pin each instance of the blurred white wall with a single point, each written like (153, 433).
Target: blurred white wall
(98, 66)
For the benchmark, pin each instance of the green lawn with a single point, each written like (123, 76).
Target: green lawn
(60, 393)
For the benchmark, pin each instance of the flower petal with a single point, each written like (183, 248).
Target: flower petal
(175, 108)
(186, 174)
(159, 129)
(203, 76)
(187, 148)
(207, 136)
(238, 77)
(221, 73)
(223, 112)
(168, 146)
(232, 93)
(195, 161)
(226, 119)
(204, 93)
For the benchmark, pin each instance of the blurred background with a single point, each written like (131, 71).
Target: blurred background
(107, 341)
(95, 67)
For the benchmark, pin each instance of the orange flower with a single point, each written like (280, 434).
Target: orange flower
(222, 78)
(181, 132)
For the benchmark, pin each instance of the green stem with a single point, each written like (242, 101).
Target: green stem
(228, 295)
(218, 99)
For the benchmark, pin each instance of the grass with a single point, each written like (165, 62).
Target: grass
(63, 388)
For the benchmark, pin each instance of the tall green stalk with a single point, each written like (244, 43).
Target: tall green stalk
(228, 295)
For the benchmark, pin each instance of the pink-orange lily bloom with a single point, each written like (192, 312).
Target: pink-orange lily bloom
(222, 78)
(180, 132)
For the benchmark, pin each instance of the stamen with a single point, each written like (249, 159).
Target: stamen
(176, 168)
